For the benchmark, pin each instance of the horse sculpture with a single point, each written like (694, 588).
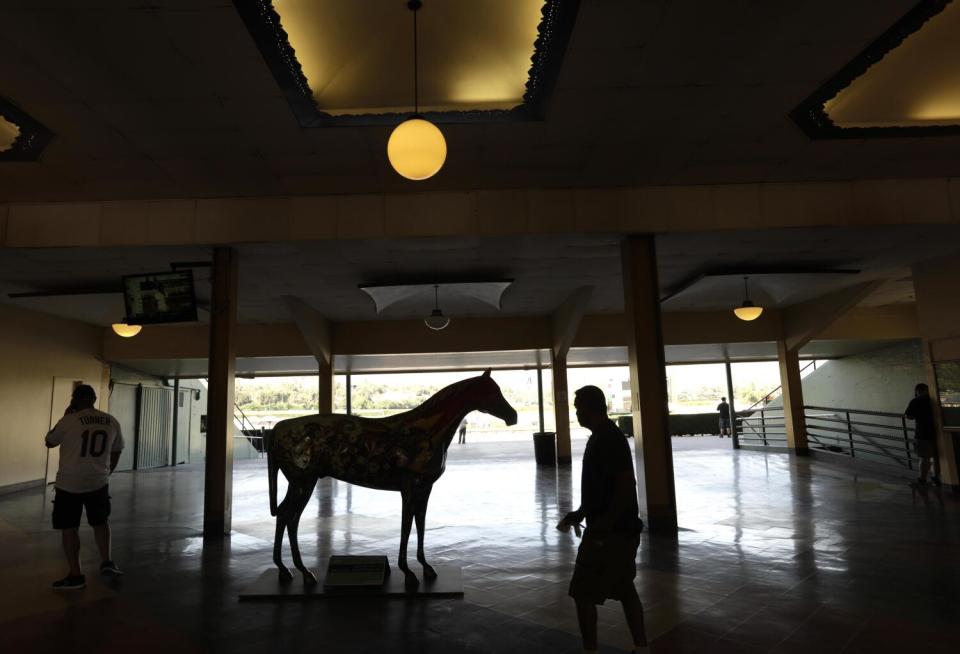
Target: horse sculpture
(405, 452)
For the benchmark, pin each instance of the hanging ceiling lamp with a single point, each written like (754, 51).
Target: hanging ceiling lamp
(436, 320)
(125, 330)
(748, 310)
(416, 148)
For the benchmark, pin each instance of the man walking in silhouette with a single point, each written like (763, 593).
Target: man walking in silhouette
(90, 443)
(606, 562)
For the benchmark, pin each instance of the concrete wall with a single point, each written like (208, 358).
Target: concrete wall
(881, 380)
(34, 349)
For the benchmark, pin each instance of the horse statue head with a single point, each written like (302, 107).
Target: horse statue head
(490, 400)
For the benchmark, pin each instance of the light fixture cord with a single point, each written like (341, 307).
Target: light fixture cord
(414, 6)
(746, 291)
(436, 296)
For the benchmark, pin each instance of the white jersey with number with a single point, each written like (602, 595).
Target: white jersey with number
(86, 439)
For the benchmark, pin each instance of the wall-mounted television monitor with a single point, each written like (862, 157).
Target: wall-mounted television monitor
(948, 383)
(160, 297)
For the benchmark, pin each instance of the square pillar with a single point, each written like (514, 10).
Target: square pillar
(325, 375)
(218, 477)
(648, 384)
(561, 408)
(792, 392)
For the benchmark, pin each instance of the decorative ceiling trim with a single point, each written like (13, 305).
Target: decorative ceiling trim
(489, 293)
(811, 116)
(550, 46)
(33, 137)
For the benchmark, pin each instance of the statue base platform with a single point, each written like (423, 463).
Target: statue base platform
(267, 588)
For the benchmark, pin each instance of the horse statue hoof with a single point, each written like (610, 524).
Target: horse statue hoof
(309, 579)
(410, 580)
(285, 576)
(429, 572)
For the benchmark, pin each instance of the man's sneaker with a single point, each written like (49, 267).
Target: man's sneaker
(110, 569)
(71, 582)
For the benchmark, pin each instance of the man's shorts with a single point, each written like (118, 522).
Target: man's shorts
(606, 567)
(724, 423)
(67, 508)
(926, 449)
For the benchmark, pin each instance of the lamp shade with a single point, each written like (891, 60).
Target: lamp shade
(125, 330)
(436, 320)
(417, 149)
(748, 311)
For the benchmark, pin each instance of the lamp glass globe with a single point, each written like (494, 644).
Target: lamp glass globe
(125, 330)
(748, 311)
(417, 149)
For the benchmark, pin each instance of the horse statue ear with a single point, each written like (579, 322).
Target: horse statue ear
(486, 373)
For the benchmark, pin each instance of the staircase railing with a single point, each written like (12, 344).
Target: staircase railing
(769, 397)
(873, 436)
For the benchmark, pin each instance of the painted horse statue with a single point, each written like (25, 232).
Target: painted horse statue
(405, 452)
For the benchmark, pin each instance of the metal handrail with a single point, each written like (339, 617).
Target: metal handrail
(885, 446)
(769, 396)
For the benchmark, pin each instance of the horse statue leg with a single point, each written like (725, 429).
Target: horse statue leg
(420, 514)
(288, 515)
(406, 496)
(282, 512)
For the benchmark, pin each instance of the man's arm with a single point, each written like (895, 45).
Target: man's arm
(55, 436)
(114, 460)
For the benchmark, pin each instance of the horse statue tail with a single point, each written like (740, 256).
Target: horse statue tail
(272, 474)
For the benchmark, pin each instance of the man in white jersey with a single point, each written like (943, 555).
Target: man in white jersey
(90, 442)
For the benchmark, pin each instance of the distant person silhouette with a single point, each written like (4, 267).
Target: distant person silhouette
(90, 443)
(920, 410)
(606, 562)
(724, 410)
(463, 433)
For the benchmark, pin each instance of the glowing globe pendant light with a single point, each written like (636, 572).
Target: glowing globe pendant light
(125, 330)
(748, 310)
(416, 149)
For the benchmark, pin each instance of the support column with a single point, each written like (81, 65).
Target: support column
(325, 375)
(561, 408)
(734, 432)
(540, 395)
(218, 478)
(348, 380)
(648, 385)
(792, 390)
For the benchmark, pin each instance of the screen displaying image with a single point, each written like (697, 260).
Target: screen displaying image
(948, 383)
(160, 297)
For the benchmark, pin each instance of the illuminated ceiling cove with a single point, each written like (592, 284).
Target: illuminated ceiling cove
(21, 137)
(906, 83)
(352, 62)
(9, 133)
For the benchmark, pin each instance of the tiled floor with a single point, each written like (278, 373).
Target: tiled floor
(775, 554)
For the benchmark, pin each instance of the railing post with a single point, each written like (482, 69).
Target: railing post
(763, 426)
(850, 434)
(906, 442)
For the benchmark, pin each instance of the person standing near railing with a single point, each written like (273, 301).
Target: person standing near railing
(724, 409)
(920, 410)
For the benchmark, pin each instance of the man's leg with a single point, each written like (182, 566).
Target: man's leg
(633, 612)
(924, 468)
(102, 535)
(71, 549)
(587, 617)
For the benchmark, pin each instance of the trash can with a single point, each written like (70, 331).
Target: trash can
(545, 448)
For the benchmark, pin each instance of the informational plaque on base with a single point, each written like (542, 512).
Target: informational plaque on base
(356, 571)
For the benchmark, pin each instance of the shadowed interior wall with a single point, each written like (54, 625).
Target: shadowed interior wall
(35, 348)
